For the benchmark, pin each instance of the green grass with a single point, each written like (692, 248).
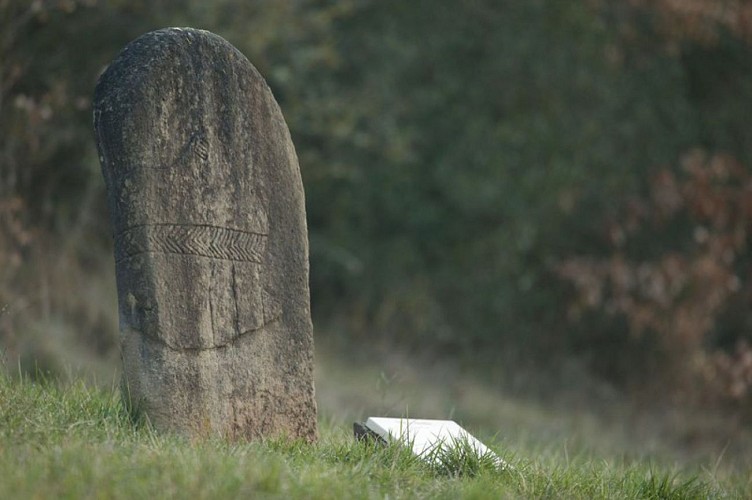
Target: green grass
(78, 442)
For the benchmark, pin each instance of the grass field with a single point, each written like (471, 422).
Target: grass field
(74, 441)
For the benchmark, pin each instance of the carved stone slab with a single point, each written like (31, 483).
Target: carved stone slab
(211, 247)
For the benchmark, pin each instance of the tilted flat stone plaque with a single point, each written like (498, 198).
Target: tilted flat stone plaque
(428, 438)
(211, 247)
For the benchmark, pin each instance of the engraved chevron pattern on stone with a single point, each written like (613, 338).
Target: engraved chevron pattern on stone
(206, 241)
(200, 146)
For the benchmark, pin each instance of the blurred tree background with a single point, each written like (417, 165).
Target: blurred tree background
(557, 179)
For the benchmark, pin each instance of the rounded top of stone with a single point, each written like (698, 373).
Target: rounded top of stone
(164, 51)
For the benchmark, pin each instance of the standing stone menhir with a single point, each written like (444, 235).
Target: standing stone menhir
(211, 248)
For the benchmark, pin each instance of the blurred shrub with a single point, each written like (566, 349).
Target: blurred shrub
(699, 21)
(675, 276)
(679, 270)
(456, 152)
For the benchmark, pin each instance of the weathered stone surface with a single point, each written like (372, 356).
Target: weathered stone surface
(211, 247)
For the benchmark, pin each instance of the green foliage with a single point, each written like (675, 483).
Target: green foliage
(75, 442)
(472, 156)
(460, 457)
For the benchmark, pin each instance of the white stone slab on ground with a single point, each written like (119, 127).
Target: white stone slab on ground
(425, 436)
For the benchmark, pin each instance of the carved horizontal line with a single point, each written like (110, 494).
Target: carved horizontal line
(185, 239)
(224, 228)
